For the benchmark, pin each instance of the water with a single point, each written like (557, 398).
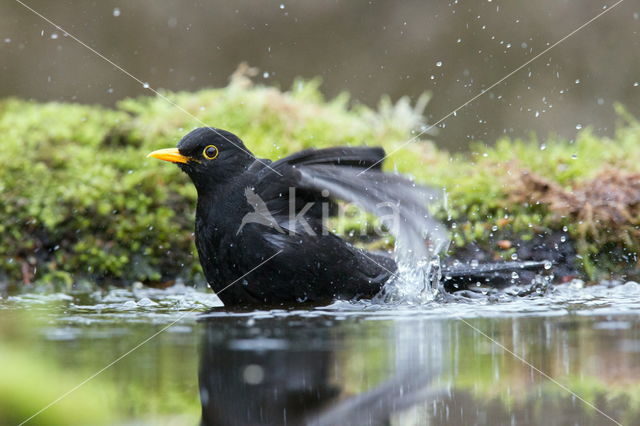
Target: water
(402, 206)
(461, 362)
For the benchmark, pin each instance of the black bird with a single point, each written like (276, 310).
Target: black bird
(259, 230)
(244, 381)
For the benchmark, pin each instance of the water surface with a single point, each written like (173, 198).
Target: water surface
(500, 361)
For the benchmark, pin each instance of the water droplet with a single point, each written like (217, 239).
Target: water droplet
(116, 12)
(54, 36)
(574, 156)
(145, 85)
(514, 256)
(577, 81)
(514, 275)
(265, 75)
(543, 147)
(281, 6)
(547, 264)
(474, 263)
(253, 374)
(578, 126)
(439, 64)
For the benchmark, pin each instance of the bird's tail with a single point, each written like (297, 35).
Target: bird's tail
(497, 274)
(486, 269)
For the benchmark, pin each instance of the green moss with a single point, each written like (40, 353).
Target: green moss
(486, 191)
(80, 200)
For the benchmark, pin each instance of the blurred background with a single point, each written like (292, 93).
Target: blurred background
(452, 49)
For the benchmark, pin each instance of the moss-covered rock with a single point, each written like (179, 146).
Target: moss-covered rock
(584, 192)
(81, 202)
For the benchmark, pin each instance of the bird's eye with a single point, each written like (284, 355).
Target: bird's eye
(210, 152)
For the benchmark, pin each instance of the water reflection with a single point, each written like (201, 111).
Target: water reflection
(267, 372)
(345, 364)
(259, 379)
(278, 369)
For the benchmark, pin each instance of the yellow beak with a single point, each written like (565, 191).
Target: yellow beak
(169, 154)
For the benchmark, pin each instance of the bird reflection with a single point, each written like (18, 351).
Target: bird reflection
(275, 374)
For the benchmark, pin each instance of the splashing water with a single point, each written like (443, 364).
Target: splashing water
(402, 207)
(420, 241)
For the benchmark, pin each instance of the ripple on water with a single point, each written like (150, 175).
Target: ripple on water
(607, 298)
(138, 304)
(162, 306)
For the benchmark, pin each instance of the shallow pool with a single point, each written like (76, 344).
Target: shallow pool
(571, 356)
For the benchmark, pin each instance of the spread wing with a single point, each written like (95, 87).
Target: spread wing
(352, 174)
(280, 181)
(301, 185)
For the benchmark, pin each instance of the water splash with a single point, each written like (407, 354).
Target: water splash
(609, 298)
(419, 242)
(135, 304)
(402, 206)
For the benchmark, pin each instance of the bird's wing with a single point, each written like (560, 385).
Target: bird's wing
(321, 176)
(401, 204)
(357, 156)
(277, 182)
(311, 268)
(352, 174)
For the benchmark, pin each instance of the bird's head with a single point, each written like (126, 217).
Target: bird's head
(209, 156)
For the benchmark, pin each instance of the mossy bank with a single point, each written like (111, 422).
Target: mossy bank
(81, 203)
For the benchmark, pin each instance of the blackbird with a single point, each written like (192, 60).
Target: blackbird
(259, 224)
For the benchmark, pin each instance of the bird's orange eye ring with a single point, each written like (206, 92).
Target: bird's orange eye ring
(210, 152)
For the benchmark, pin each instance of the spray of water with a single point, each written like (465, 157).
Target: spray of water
(403, 208)
(420, 241)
